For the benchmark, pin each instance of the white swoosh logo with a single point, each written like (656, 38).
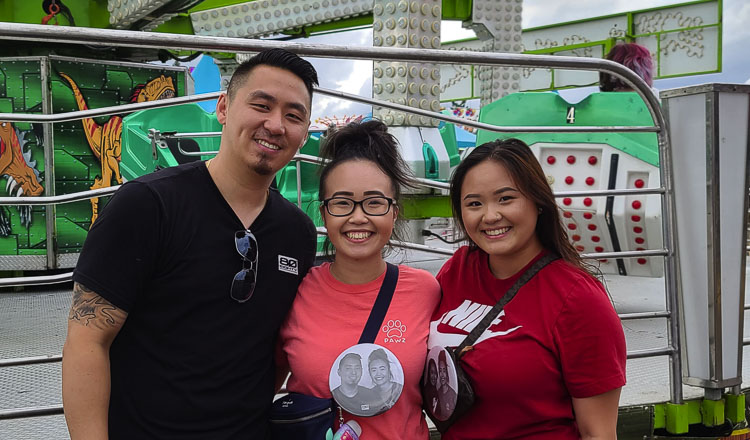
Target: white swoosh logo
(455, 339)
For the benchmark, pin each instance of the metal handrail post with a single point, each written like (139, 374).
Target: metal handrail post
(50, 212)
(669, 229)
(298, 168)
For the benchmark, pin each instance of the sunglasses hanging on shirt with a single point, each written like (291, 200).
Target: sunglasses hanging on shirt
(243, 284)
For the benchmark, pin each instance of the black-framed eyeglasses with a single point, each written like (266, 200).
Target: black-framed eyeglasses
(243, 284)
(343, 206)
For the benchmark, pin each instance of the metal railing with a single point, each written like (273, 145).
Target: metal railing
(72, 35)
(32, 360)
(101, 37)
(59, 199)
(106, 111)
(36, 411)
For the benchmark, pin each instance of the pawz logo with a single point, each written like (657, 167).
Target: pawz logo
(288, 265)
(395, 331)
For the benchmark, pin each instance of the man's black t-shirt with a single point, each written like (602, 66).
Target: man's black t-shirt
(190, 362)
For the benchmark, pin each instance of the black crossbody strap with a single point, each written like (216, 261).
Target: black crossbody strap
(379, 309)
(492, 314)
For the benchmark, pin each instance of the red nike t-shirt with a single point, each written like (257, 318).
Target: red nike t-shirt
(558, 338)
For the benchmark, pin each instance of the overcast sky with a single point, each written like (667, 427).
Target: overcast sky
(355, 76)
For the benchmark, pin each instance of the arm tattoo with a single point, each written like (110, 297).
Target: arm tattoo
(90, 309)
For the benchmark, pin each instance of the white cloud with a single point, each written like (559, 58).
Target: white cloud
(362, 73)
(453, 30)
(735, 21)
(350, 76)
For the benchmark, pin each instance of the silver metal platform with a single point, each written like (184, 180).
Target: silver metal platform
(34, 323)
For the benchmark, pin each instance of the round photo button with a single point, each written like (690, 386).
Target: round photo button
(439, 384)
(366, 380)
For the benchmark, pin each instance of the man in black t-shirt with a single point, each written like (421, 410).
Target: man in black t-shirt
(187, 274)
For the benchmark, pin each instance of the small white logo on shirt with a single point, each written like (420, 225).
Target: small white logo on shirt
(394, 331)
(465, 317)
(288, 265)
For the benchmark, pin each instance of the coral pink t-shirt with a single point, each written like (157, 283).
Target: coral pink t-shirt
(328, 316)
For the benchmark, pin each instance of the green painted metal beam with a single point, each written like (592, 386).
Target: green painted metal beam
(735, 407)
(712, 412)
(598, 109)
(677, 418)
(211, 4)
(415, 206)
(346, 24)
(85, 13)
(457, 9)
(180, 24)
(660, 416)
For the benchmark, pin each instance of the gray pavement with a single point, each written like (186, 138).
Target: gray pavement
(34, 323)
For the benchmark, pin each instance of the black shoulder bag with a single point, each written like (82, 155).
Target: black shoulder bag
(465, 392)
(302, 417)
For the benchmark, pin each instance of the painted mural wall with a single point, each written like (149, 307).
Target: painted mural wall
(86, 152)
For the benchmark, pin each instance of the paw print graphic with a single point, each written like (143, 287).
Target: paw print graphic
(394, 329)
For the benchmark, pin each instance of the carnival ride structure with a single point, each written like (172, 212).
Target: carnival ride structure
(70, 129)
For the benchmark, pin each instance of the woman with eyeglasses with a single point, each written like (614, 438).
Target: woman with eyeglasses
(359, 193)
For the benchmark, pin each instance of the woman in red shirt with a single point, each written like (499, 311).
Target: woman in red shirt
(552, 364)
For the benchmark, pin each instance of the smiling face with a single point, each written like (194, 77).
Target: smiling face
(350, 370)
(499, 218)
(443, 373)
(380, 372)
(265, 122)
(359, 237)
(433, 375)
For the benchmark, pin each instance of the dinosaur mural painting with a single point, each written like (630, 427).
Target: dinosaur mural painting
(105, 140)
(20, 171)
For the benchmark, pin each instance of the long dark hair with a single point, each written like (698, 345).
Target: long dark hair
(527, 174)
(365, 141)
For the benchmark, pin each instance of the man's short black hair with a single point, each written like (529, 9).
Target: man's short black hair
(280, 58)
